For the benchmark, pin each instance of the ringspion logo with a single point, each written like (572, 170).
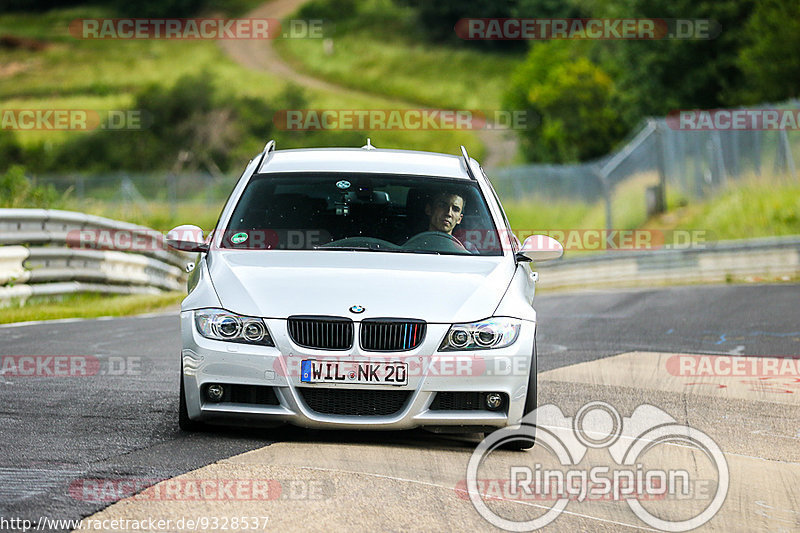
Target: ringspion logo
(628, 477)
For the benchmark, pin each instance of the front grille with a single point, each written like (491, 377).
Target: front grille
(354, 402)
(391, 335)
(325, 333)
(461, 401)
(249, 394)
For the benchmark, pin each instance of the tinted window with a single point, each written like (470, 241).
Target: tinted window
(363, 212)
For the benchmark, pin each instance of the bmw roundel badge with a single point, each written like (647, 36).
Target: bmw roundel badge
(357, 309)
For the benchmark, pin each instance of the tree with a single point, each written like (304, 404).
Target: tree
(572, 96)
(654, 77)
(770, 60)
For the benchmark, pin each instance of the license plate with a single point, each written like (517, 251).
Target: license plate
(356, 372)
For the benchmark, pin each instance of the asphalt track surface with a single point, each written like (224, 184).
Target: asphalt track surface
(121, 423)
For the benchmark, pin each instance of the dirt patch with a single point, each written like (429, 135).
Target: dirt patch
(13, 42)
(15, 67)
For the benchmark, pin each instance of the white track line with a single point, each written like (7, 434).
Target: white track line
(394, 478)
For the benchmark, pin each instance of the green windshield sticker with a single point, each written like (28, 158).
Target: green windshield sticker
(239, 238)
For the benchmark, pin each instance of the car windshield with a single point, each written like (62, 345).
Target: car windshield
(362, 212)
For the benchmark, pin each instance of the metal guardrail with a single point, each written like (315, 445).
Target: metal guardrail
(43, 253)
(53, 268)
(767, 258)
(52, 226)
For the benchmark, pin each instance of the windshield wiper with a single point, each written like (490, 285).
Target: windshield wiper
(375, 248)
(351, 248)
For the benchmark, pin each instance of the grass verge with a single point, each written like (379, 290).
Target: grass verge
(749, 208)
(106, 74)
(377, 48)
(754, 207)
(90, 306)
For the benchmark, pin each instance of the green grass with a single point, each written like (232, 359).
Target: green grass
(378, 50)
(70, 66)
(627, 206)
(90, 306)
(751, 208)
(105, 74)
(155, 215)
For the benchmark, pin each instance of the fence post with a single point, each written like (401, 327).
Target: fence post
(606, 194)
(757, 152)
(787, 154)
(661, 198)
(719, 159)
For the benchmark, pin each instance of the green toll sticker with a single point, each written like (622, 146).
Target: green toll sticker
(239, 238)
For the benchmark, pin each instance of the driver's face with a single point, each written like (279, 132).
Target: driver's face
(445, 212)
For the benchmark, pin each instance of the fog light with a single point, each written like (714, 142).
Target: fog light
(215, 392)
(494, 400)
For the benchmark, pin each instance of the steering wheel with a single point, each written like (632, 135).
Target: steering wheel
(437, 234)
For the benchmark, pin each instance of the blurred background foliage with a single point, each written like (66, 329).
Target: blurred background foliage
(208, 114)
(588, 94)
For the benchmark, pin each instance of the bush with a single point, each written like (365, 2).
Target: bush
(10, 150)
(191, 125)
(17, 190)
(770, 60)
(572, 96)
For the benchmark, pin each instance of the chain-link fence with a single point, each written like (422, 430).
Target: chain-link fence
(658, 156)
(693, 158)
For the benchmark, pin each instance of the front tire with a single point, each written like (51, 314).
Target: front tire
(527, 443)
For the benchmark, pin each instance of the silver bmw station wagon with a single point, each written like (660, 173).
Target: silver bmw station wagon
(360, 288)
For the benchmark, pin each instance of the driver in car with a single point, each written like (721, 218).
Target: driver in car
(445, 211)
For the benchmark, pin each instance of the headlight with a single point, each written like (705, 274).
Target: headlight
(222, 325)
(490, 333)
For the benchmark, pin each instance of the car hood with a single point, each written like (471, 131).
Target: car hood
(434, 288)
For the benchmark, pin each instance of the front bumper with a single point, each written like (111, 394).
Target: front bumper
(206, 361)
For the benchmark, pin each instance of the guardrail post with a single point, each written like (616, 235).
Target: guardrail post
(660, 203)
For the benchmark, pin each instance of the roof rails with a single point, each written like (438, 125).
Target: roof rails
(269, 147)
(466, 162)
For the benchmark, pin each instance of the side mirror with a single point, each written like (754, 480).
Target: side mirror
(540, 248)
(187, 239)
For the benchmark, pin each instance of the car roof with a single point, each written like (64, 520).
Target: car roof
(373, 160)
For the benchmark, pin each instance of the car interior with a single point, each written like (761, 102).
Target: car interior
(370, 209)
